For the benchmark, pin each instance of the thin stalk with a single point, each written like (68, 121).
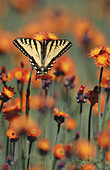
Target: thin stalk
(1, 106)
(54, 163)
(28, 93)
(29, 152)
(58, 130)
(7, 146)
(13, 150)
(80, 112)
(21, 94)
(89, 122)
(105, 110)
(99, 100)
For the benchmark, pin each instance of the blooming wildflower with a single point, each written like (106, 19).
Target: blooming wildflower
(81, 97)
(42, 105)
(69, 82)
(70, 124)
(103, 139)
(7, 93)
(44, 77)
(86, 35)
(59, 151)
(43, 146)
(84, 149)
(6, 38)
(12, 134)
(53, 18)
(92, 96)
(33, 134)
(101, 56)
(44, 35)
(107, 156)
(59, 116)
(24, 124)
(21, 5)
(88, 166)
(64, 66)
(36, 132)
(10, 112)
(30, 29)
(59, 113)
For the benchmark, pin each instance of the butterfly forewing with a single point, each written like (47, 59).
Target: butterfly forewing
(55, 49)
(31, 48)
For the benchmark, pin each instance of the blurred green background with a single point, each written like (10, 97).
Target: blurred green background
(59, 17)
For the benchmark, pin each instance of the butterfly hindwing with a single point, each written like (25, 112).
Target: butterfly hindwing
(55, 49)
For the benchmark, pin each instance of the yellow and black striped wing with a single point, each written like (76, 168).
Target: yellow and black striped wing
(30, 48)
(54, 50)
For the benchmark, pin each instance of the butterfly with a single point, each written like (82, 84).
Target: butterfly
(42, 55)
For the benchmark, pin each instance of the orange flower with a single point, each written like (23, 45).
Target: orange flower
(106, 78)
(41, 102)
(8, 91)
(21, 5)
(21, 74)
(101, 56)
(5, 38)
(86, 35)
(107, 156)
(42, 77)
(109, 124)
(43, 145)
(88, 166)
(65, 65)
(10, 112)
(70, 124)
(12, 134)
(24, 124)
(44, 35)
(60, 113)
(35, 132)
(103, 139)
(59, 151)
(84, 149)
(30, 29)
(53, 19)
(95, 108)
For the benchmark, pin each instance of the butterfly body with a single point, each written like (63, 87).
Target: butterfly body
(42, 55)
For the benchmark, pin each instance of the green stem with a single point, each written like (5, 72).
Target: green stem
(54, 163)
(28, 93)
(80, 112)
(29, 152)
(7, 146)
(13, 150)
(1, 106)
(21, 94)
(99, 100)
(89, 122)
(105, 110)
(58, 130)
